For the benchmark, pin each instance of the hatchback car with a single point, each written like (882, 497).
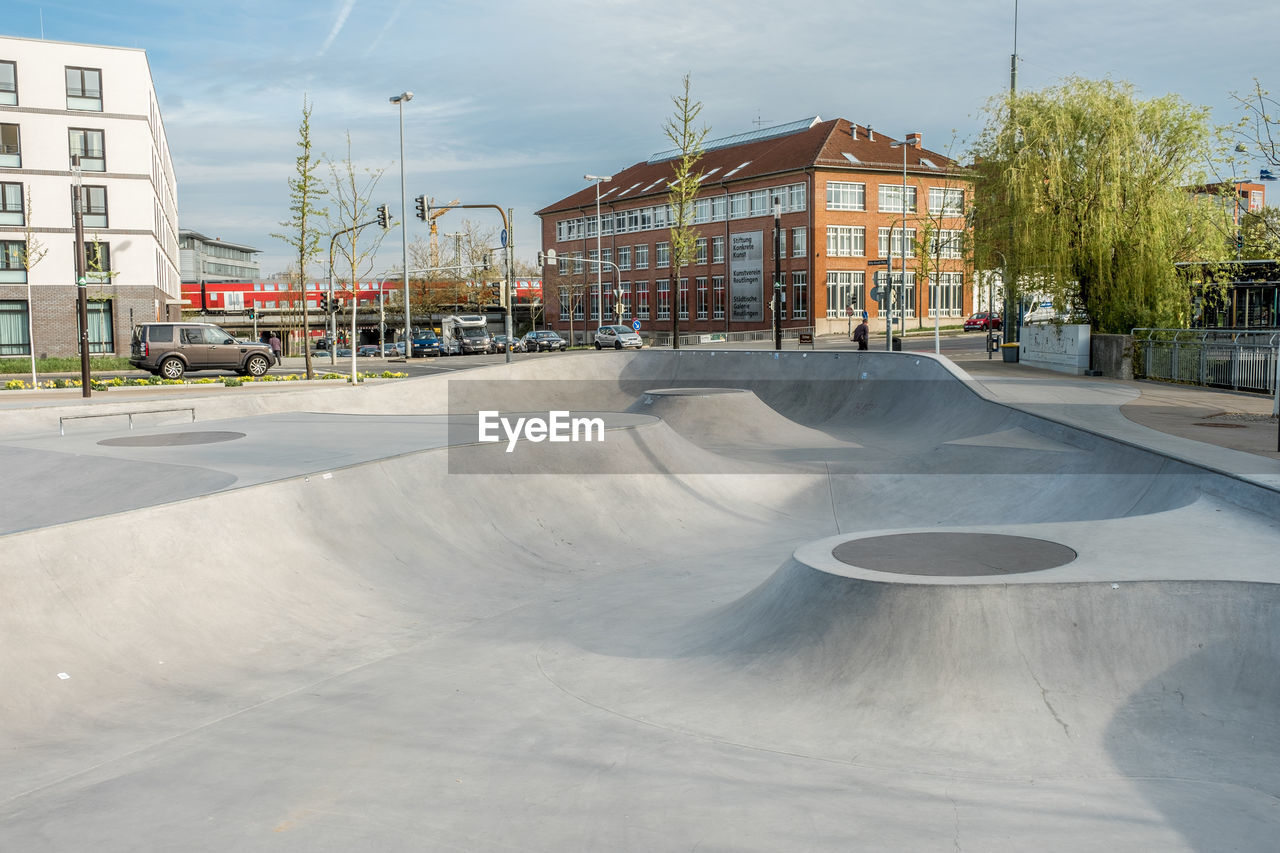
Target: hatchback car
(617, 337)
(544, 341)
(983, 320)
(172, 349)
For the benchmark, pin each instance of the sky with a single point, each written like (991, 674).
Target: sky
(515, 101)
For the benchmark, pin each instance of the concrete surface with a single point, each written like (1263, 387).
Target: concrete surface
(355, 627)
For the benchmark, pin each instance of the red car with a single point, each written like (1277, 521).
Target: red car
(983, 321)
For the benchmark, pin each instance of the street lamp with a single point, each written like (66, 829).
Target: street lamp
(912, 139)
(400, 100)
(599, 179)
(778, 292)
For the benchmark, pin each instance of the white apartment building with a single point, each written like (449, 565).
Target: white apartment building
(58, 100)
(208, 259)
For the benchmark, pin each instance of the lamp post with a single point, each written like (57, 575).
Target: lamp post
(599, 179)
(911, 139)
(82, 300)
(399, 100)
(777, 275)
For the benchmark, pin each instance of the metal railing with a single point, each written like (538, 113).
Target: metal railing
(1240, 359)
(62, 421)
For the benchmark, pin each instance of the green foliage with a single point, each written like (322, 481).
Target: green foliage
(686, 180)
(1084, 194)
(1260, 230)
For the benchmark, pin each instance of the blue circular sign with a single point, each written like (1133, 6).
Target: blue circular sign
(635, 324)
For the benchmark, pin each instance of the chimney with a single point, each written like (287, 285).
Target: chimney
(853, 129)
(919, 141)
(871, 134)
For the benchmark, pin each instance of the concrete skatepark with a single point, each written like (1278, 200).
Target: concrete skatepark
(799, 601)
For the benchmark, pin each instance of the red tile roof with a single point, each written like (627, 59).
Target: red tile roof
(823, 145)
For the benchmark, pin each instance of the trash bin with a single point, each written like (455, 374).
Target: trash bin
(897, 344)
(1009, 352)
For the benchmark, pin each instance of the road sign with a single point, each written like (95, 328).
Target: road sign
(883, 263)
(503, 237)
(635, 324)
(81, 281)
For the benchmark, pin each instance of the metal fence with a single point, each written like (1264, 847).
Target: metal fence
(663, 339)
(1241, 359)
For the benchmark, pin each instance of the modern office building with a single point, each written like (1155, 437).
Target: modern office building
(60, 102)
(852, 202)
(203, 260)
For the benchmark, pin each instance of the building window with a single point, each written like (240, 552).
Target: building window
(797, 197)
(578, 265)
(800, 242)
(595, 303)
(899, 296)
(780, 241)
(593, 255)
(576, 298)
(564, 304)
(95, 206)
(13, 326)
(664, 255)
(759, 203)
(11, 209)
(846, 196)
(719, 208)
(884, 246)
(891, 199)
(946, 201)
(8, 83)
(846, 241)
(949, 293)
(684, 299)
(562, 264)
(701, 211)
(717, 296)
(97, 261)
(664, 299)
(101, 334)
(624, 257)
(844, 291)
(702, 297)
(642, 300)
(606, 225)
(641, 257)
(84, 89)
(13, 267)
(946, 243)
(739, 206)
(606, 255)
(90, 146)
(799, 295)
(717, 250)
(10, 146)
(700, 251)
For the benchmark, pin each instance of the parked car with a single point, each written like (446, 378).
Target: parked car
(426, 344)
(982, 321)
(544, 341)
(369, 351)
(617, 337)
(501, 343)
(172, 349)
(393, 350)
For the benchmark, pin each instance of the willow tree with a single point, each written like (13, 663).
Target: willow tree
(1084, 196)
(686, 180)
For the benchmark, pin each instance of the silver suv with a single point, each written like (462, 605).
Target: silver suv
(617, 337)
(172, 349)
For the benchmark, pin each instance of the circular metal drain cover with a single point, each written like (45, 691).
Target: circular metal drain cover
(953, 554)
(171, 439)
(693, 392)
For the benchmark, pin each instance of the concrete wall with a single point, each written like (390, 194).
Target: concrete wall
(1056, 346)
(1112, 355)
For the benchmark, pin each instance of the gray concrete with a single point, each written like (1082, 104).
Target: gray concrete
(354, 628)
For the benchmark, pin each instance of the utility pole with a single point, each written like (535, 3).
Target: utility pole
(82, 296)
(777, 276)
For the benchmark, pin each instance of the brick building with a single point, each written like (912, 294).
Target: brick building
(840, 189)
(59, 101)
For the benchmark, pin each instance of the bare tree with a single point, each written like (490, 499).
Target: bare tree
(303, 235)
(31, 253)
(352, 190)
(685, 183)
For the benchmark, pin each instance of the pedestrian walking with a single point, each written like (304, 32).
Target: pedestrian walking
(860, 334)
(275, 346)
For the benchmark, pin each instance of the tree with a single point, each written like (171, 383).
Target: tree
(1260, 234)
(442, 271)
(352, 191)
(31, 253)
(685, 183)
(1083, 189)
(1258, 130)
(942, 238)
(303, 236)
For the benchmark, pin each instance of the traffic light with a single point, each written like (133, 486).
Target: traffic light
(421, 202)
(383, 218)
(252, 313)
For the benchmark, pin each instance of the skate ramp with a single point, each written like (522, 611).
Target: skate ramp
(649, 642)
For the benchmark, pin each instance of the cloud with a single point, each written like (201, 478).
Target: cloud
(343, 14)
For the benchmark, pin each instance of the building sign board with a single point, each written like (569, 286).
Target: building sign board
(746, 277)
